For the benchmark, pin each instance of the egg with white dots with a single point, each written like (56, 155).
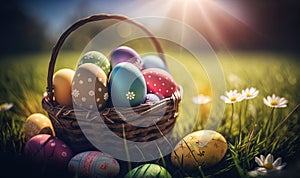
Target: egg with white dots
(159, 82)
(46, 150)
(94, 164)
(97, 58)
(89, 87)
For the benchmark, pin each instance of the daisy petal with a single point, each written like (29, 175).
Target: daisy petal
(277, 162)
(261, 170)
(280, 167)
(269, 159)
(262, 158)
(258, 161)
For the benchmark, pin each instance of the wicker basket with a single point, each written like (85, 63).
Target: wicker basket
(65, 123)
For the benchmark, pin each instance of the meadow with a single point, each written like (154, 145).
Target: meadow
(23, 82)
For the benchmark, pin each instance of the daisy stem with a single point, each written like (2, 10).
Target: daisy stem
(268, 122)
(231, 117)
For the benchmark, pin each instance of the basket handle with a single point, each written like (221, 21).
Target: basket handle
(82, 22)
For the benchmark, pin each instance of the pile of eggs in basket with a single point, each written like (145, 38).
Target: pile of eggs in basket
(125, 80)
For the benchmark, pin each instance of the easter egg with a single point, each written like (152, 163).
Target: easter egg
(127, 85)
(159, 82)
(94, 164)
(62, 84)
(46, 150)
(125, 54)
(38, 123)
(97, 58)
(89, 87)
(204, 147)
(151, 98)
(153, 61)
(148, 170)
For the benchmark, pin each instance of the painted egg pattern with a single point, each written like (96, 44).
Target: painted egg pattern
(38, 123)
(153, 61)
(127, 85)
(159, 82)
(94, 164)
(151, 98)
(62, 84)
(208, 147)
(148, 170)
(97, 58)
(125, 54)
(90, 87)
(46, 150)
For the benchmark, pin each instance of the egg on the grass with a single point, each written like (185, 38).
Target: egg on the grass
(148, 170)
(38, 123)
(62, 84)
(97, 58)
(203, 148)
(45, 150)
(94, 164)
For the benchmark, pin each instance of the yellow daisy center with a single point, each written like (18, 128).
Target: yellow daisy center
(268, 165)
(233, 98)
(248, 94)
(274, 102)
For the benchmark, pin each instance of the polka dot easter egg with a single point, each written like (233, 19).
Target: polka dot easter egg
(125, 54)
(94, 164)
(46, 150)
(208, 147)
(148, 170)
(89, 87)
(159, 82)
(97, 58)
(127, 85)
(38, 123)
(153, 61)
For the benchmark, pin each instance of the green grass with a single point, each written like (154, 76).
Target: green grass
(23, 82)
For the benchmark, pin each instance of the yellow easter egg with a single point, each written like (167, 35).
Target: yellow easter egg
(38, 123)
(203, 148)
(62, 84)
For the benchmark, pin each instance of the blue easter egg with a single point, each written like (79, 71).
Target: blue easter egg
(153, 61)
(125, 54)
(127, 85)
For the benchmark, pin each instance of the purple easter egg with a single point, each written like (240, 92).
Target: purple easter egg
(125, 54)
(150, 97)
(46, 150)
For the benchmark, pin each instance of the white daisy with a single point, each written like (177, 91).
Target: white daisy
(250, 93)
(232, 96)
(6, 106)
(130, 95)
(267, 165)
(75, 93)
(275, 101)
(201, 99)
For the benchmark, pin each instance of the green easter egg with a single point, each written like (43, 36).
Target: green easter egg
(148, 170)
(97, 58)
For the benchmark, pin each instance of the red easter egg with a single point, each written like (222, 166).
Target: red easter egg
(46, 150)
(159, 82)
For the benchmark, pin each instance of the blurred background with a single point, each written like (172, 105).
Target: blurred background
(32, 25)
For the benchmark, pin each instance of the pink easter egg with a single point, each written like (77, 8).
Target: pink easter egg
(47, 150)
(159, 82)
